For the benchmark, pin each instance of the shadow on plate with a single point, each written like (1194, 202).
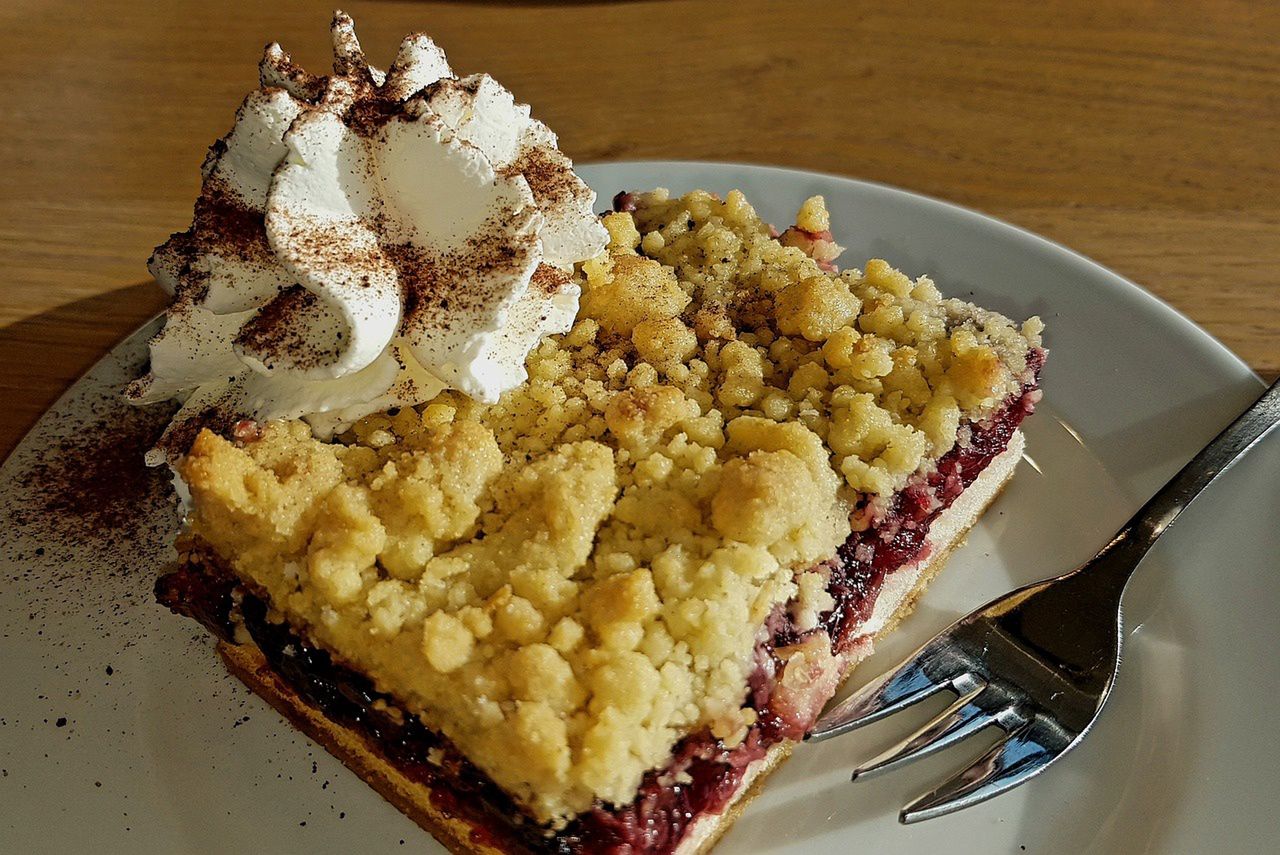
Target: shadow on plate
(44, 354)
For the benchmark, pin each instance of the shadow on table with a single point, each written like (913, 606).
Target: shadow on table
(42, 355)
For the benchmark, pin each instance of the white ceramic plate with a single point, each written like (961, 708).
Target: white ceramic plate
(168, 754)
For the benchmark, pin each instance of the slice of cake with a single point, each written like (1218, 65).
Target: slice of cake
(571, 575)
(587, 617)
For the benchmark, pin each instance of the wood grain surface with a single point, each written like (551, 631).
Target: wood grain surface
(1143, 134)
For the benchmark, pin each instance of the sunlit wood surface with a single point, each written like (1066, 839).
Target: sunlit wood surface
(1144, 134)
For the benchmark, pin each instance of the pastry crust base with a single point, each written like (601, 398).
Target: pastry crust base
(246, 662)
(413, 799)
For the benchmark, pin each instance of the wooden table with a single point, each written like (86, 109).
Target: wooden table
(1147, 137)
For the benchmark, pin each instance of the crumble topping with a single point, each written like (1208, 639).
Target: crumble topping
(570, 580)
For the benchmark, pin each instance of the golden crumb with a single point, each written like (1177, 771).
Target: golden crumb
(569, 581)
(813, 216)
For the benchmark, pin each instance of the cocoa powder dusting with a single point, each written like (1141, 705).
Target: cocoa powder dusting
(279, 330)
(219, 418)
(225, 223)
(548, 280)
(300, 82)
(93, 484)
(430, 282)
(550, 175)
(222, 225)
(370, 113)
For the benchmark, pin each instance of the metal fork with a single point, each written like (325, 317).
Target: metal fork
(1038, 663)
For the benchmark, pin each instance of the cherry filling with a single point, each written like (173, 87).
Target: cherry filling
(704, 775)
(711, 774)
(214, 597)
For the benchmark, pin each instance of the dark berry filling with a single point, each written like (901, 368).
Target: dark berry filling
(704, 775)
(667, 803)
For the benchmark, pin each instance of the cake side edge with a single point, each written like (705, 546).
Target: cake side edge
(897, 599)
(895, 603)
(414, 799)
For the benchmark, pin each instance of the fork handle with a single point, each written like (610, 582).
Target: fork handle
(1122, 554)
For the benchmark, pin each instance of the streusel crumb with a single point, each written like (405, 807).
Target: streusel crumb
(569, 581)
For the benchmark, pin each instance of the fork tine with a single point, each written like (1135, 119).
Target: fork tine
(909, 683)
(1025, 753)
(959, 720)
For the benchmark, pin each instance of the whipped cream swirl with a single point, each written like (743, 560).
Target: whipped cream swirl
(364, 240)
